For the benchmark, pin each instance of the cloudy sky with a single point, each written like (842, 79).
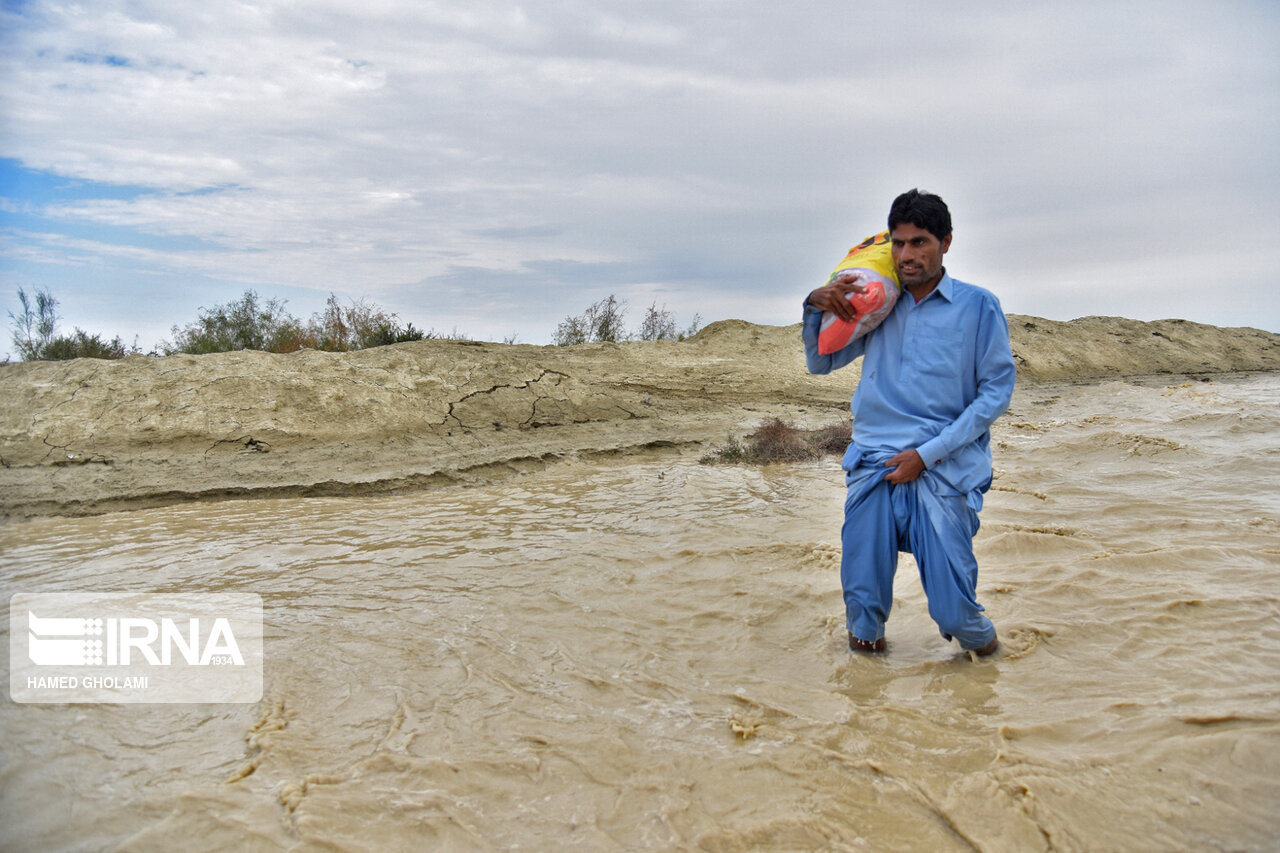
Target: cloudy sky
(492, 166)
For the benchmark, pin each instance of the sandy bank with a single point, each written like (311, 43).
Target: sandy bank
(89, 436)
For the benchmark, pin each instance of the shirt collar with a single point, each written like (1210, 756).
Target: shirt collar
(944, 287)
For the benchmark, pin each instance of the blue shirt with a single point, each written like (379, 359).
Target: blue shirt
(935, 377)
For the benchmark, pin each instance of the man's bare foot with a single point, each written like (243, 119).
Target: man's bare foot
(989, 649)
(867, 647)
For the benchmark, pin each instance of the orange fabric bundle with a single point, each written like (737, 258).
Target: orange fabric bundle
(871, 263)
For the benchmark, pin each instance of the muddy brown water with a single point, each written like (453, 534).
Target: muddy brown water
(650, 655)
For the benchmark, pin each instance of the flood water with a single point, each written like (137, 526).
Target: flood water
(650, 655)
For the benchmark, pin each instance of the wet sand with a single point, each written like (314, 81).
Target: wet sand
(574, 636)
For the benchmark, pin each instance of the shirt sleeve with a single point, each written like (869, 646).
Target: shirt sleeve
(823, 364)
(996, 373)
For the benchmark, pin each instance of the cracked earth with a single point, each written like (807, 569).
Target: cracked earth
(90, 436)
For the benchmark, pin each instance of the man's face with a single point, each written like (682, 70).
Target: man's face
(917, 254)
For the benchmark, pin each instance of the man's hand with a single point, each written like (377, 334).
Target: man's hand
(906, 466)
(834, 297)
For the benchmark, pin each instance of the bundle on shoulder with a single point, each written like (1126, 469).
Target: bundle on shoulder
(870, 263)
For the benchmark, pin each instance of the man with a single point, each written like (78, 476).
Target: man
(935, 375)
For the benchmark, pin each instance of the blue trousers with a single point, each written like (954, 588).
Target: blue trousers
(925, 518)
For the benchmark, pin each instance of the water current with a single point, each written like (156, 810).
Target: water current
(650, 654)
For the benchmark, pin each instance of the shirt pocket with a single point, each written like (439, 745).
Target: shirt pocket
(939, 351)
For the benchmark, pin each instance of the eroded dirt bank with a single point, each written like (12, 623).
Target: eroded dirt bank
(88, 436)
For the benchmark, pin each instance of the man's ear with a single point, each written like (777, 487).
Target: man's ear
(946, 244)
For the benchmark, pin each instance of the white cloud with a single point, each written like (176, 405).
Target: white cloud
(417, 150)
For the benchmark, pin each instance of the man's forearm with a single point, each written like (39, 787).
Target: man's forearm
(816, 362)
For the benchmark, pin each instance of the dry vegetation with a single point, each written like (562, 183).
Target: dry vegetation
(777, 440)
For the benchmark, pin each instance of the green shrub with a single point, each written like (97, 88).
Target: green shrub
(246, 323)
(730, 453)
(33, 328)
(602, 321)
(81, 344)
(34, 334)
(659, 324)
(360, 326)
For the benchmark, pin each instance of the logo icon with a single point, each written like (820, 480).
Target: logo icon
(64, 642)
(127, 647)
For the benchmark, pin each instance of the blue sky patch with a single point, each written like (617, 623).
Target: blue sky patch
(40, 187)
(99, 59)
(30, 193)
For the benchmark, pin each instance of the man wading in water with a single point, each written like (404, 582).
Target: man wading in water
(935, 375)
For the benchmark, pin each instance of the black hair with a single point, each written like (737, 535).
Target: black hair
(923, 210)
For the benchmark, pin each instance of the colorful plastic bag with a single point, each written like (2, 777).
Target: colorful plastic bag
(870, 262)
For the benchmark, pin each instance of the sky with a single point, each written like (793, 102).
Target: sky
(490, 167)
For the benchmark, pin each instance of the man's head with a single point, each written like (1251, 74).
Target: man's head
(923, 210)
(920, 231)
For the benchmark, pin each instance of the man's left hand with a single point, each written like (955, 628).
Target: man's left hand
(906, 466)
